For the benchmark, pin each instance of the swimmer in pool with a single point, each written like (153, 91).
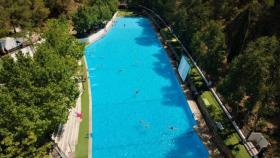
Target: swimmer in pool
(144, 124)
(172, 128)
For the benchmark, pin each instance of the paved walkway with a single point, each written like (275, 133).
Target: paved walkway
(202, 128)
(68, 134)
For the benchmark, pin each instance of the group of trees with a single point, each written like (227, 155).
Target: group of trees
(93, 15)
(37, 92)
(21, 14)
(28, 15)
(237, 45)
(66, 7)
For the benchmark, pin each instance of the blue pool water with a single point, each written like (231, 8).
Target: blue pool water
(139, 109)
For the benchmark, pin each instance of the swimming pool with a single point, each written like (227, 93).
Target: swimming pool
(139, 109)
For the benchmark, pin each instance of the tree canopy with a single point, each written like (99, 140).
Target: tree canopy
(92, 16)
(37, 92)
(23, 14)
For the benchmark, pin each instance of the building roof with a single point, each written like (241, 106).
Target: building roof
(9, 43)
(259, 139)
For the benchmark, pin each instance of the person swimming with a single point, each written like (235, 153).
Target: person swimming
(144, 124)
(172, 128)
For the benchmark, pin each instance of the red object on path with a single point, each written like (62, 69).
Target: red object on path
(79, 114)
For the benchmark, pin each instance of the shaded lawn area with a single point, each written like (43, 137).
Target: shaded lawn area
(172, 42)
(82, 146)
(229, 135)
(238, 150)
(126, 12)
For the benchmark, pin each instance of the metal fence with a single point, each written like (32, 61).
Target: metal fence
(152, 15)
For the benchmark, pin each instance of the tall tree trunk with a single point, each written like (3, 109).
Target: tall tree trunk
(14, 27)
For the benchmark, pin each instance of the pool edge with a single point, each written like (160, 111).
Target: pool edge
(89, 110)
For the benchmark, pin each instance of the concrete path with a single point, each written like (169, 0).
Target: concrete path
(202, 128)
(67, 137)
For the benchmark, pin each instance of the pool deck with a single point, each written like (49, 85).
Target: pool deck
(90, 113)
(68, 138)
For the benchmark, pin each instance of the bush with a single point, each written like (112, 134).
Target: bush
(197, 80)
(90, 17)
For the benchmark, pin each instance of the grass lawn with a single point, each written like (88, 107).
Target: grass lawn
(172, 41)
(216, 112)
(238, 150)
(82, 146)
(231, 138)
(124, 12)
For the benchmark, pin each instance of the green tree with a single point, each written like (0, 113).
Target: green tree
(37, 92)
(191, 18)
(92, 16)
(58, 7)
(85, 19)
(58, 38)
(17, 13)
(249, 78)
(24, 14)
(39, 12)
(209, 48)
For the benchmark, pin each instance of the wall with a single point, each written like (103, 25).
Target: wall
(96, 36)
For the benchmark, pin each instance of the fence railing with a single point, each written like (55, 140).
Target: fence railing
(186, 52)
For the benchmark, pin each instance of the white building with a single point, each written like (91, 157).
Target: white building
(14, 45)
(9, 43)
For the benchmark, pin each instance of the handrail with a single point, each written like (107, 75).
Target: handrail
(240, 133)
(58, 150)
